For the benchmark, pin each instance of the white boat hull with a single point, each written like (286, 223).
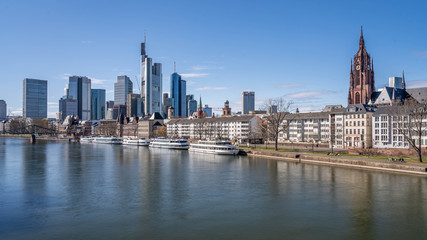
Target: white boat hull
(169, 146)
(212, 151)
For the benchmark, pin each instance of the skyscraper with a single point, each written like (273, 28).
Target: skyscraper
(122, 88)
(192, 107)
(79, 88)
(134, 105)
(3, 110)
(98, 104)
(187, 100)
(166, 104)
(35, 98)
(67, 106)
(151, 83)
(178, 95)
(248, 102)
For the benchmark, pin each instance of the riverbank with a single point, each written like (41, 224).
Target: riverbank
(408, 168)
(28, 136)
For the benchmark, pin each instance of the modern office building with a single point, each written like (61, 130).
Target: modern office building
(3, 110)
(178, 95)
(248, 102)
(188, 98)
(34, 98)
(192, 107)
(207, 110)
(151, 83)
(98, 104)
(122, 88)
(134, 105)
(67, 106)
(119, 110)
(79, 88)
(272, 109)
(166, 104)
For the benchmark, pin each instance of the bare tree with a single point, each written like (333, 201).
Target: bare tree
(411, 122)
(276, 123)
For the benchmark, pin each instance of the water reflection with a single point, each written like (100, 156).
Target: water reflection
(62, 190)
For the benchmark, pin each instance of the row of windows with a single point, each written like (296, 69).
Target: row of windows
(355, 116)
(353, 131)
(353, 123)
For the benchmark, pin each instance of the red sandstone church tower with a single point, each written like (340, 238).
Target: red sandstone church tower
(362, 81)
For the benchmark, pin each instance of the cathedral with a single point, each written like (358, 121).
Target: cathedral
(362, 81)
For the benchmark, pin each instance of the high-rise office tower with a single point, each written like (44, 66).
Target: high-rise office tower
(151, 83)
(35, 98)
(192, 107)
(248, 102)
(3, 110)
(98, 104)
(178, 94)
(79, 88)
(122, 88)
(134, 105)
(68, 106)
(166, 104)
(187, 99)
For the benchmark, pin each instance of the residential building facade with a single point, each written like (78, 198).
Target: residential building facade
(234, 128)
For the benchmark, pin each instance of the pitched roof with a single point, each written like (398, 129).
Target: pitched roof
(420, 94)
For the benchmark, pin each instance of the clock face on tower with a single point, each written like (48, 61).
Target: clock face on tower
(358, 67)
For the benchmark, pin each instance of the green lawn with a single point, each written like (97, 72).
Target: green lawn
(407, 159)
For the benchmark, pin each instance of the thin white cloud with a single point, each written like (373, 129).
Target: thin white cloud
(307, 94)
(199, 68)
(189, 82)
(194, 75)
(289, 85)
(422, 54)
(312, 108)
(211, 88)
(416, 83)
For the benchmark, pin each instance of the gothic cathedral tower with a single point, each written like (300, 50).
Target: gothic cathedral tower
(362, 81)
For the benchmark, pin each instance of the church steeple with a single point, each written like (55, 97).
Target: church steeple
(403, 80)
(361, 40)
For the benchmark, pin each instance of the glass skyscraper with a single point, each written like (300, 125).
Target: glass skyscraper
(248, 102)
(98, 104)
(34, 98)
(3, 110)
(122, 88)
(79, 89)
(178, 95)
(151, 83)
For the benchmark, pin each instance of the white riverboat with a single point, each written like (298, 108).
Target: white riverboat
(86, 140)
(181, 144)
(107, 140)
(215, 147)
(136, 142)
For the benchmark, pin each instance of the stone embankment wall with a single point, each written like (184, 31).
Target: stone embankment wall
(358, 163)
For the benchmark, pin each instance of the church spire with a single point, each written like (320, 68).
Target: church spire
(361, 41)
(403, 80)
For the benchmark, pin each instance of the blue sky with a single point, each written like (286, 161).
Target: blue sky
(300, 50)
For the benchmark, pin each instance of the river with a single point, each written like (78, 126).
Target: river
(58, 190)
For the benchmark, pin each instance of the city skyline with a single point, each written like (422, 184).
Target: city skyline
(297, 55)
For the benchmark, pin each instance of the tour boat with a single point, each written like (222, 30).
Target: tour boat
(215, 147)
(170, 143)
(107, 140)
(86, 140)
(136, 142)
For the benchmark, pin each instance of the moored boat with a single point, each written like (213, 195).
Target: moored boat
(86, 140)
(107, 140)
(136, 142)
(215, 147)
(181, 144)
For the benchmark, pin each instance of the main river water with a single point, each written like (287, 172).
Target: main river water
(57, 190)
